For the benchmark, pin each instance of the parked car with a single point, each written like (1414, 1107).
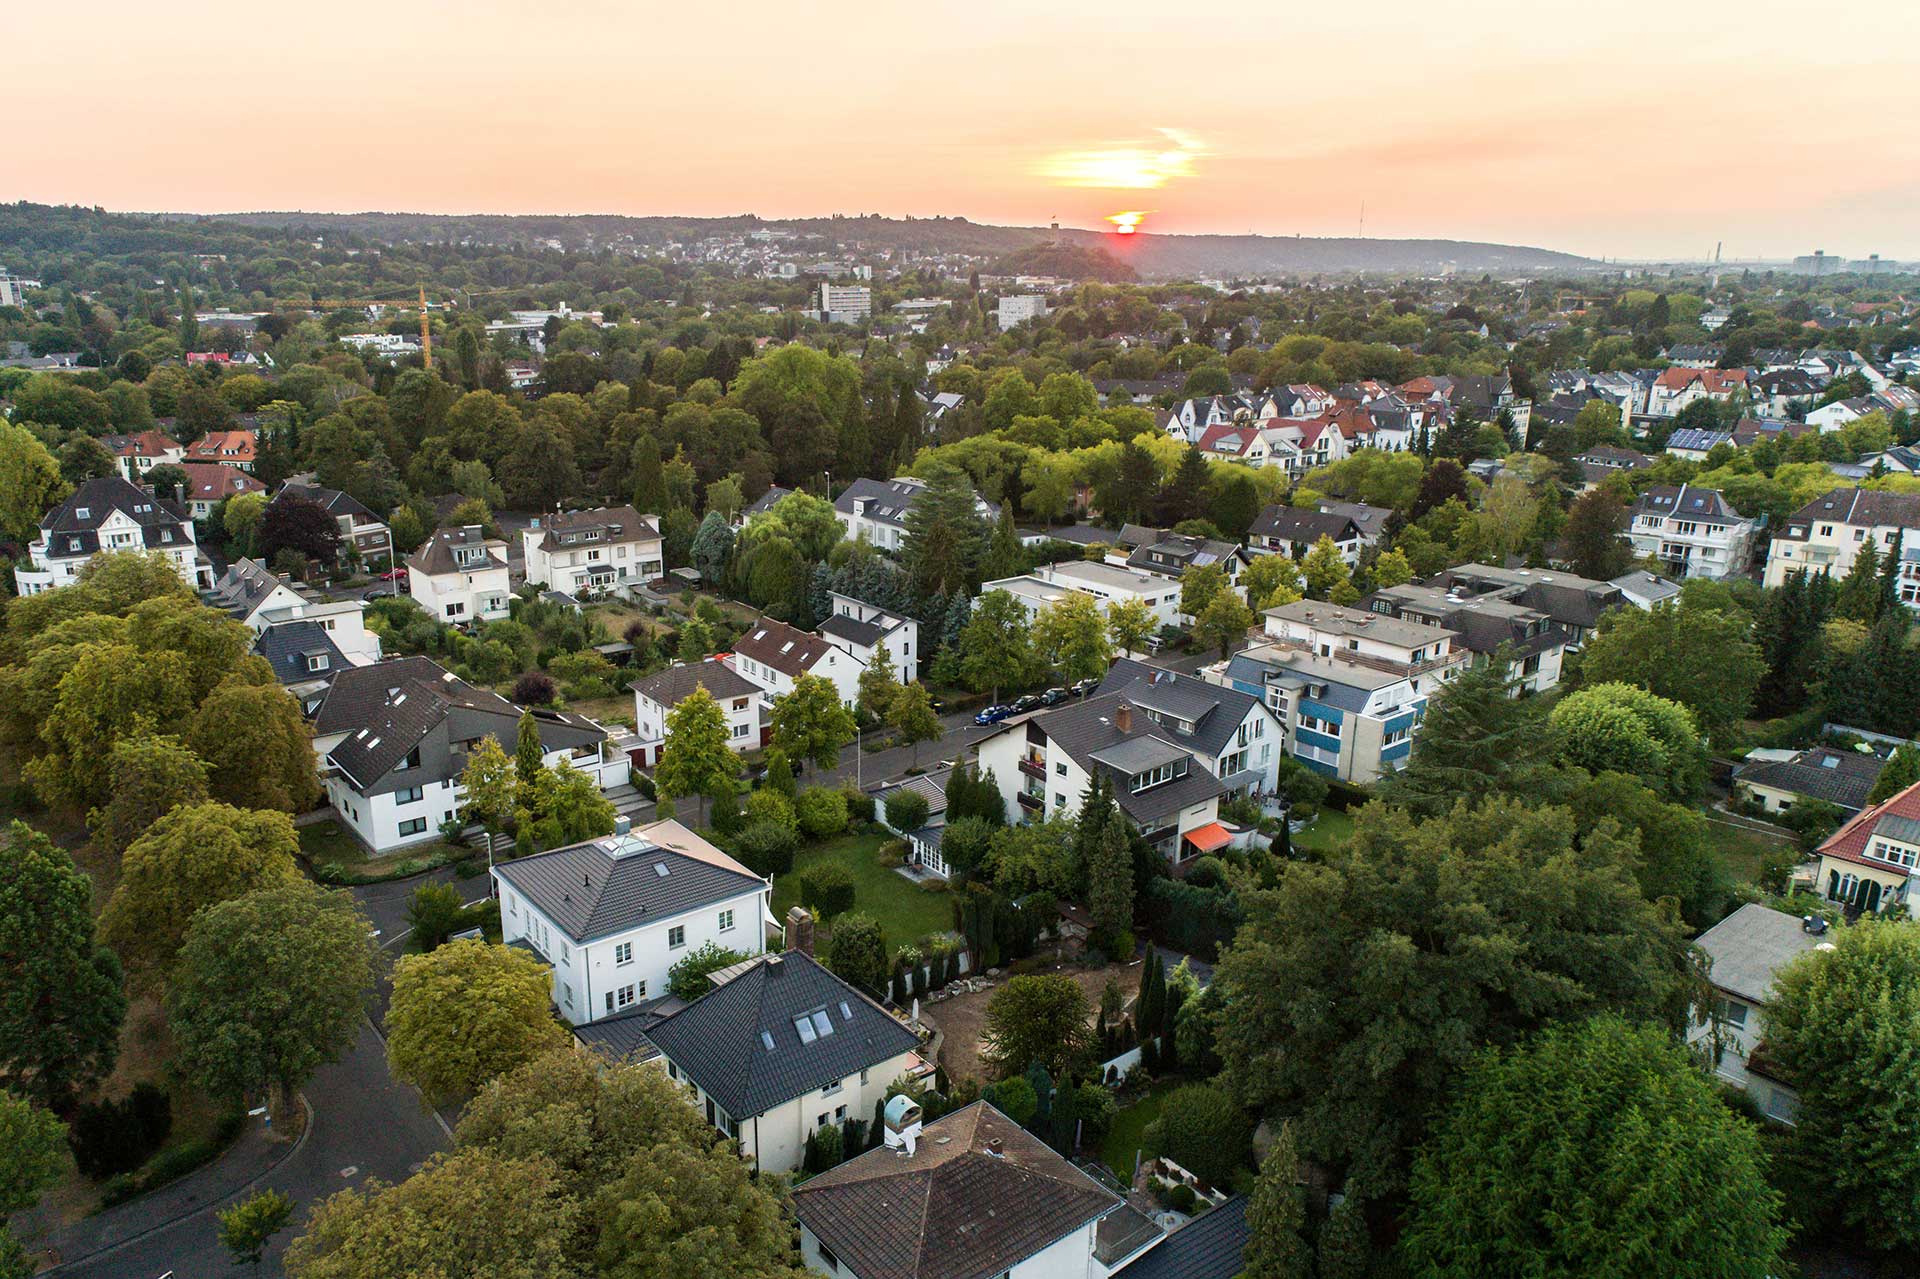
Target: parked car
(1054, 696)
(993, 714)
(1083, 687)
(395, 575)
(1031, 702)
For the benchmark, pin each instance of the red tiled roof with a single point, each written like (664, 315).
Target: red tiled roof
(1849, 843)
(222, 446)
(145, 444)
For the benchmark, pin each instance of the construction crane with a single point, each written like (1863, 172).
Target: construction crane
(426, 333)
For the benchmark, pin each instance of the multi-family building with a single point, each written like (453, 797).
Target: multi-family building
(773, 655)
(460, 576)
(613, 915)
(1603, 461)
(1110, 584)
(1016, 309)
(1574, 603)
(110, 514)
(742, 702)
(589, 553)
(1676, 388)
(1484, 625)
(1825, 536)
(1293, 530)
(227, 448)
(306, 638)
(363, 534)
(863, 629)
(1172, 554)
(843, 303)
(1691, 531)
(876, 510)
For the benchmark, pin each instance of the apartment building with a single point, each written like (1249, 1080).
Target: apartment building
(1691, 531)
(589, 553)
(110, 514)
(1825, 536)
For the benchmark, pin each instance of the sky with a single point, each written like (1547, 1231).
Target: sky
(1636, 129)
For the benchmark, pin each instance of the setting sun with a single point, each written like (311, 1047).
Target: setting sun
(1128, 222)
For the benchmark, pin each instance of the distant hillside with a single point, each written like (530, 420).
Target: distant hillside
(1186, 256)
(1066, 262)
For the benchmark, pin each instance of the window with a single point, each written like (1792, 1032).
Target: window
(826, 1256)
(513, 907)
(839, 1114)
(726, 921)
(413, 826)
(623, 952)
(411, 795)
(863, 1077)
(316, 661)
(623, 997)
(1892, 854)
(566, 990)
(1061, 768)
(832, 1087)
(1732, 1012)
(676, 937)
(412, 760)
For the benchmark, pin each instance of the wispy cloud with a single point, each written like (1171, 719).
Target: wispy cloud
(1145, 164)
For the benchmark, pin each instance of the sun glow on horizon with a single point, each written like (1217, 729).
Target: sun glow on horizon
(1137, 166)
(1128, 222)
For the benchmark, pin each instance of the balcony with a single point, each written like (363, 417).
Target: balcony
(1032, 803)
(1033, 766)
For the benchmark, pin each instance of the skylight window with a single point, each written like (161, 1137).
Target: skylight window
(822, 1024)
(804, 1027)
(846, 1012)
(766, 1040)
(660, 869)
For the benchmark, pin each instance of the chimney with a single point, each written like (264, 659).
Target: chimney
(622, 825)
(1123, 717)
(800, 930)
(994, 1147)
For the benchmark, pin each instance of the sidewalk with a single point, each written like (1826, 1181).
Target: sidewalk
(251, 1157)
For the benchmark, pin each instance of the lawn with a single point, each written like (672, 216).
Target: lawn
(1329, 830)
(1129, 1129)
(1749, 854)
(907, 911)
(335, 854)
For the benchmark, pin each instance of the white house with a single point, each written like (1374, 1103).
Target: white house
(588, 553)
(861, 629)
(138, 454)
(460, 576)
(741, 701)
(1692, 531)
(110, 514)
(1111, 584)
(1825, 535)
(877, 509)
(393, 738)
(1747, 950)
(1293, 530)
(305, 638)
(211, 483)
(613, 915)
(773, 655)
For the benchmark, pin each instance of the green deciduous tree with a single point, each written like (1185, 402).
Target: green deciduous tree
(1702, 657)
(491, 786)
(257, 746)
(30, 483)
(465, 1013)
(1199, 586)
(1071, 637)
(1033, 1018)
(247, 1225)
(1130, 624)
(1324, 571)
(879, 686)
(1202, 1128)
(996, 646)
(858, 953)
(268, 988)
(1223, 623)
(148, 777)
(914, 720)
(195, 856)
(810, 724)
(1593, 539)
(1272, 580)
(1620, 728)
(1596, 1148)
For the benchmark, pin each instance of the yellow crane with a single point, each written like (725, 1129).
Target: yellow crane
(426, 333)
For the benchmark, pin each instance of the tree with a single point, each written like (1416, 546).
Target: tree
(1593, 539)
(1130, 624)
(1324, 569)
(1345, 1247)
(1005, 557)
(907, 810)
(1625, 729)
(148, 777)
(687, 978)
(33, 1152)
(1199, 586)
(1071, 638)
(1859, 595)
(1277, 1216)
(878, 686)
(858, 952)
(1478, 739)
(528, 756)
(1700, 657)
(470, 1212)
(1595, 1142)
(712, 547)
(1902, 771)
(247, 1224)
(30, 483)
(294, 523)
(194, 857)
(809, 723)
(258, 748)
(1359, 988)
(945, 538)
(996, 647)
(914, 720)
(467, 1012)
(1202, 1128)
(826, 888)
(566, 807)
(1033, 1018)
(1507, 516)
(1842, 1025)
(1224, 623)
(1110, 888)
(1271, 581)
(268, 988)
(491, 787)
(688, 1209)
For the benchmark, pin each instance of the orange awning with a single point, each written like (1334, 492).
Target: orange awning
(1209, 837)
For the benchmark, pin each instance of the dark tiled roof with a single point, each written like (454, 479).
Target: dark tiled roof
(610, 885)
(242, 587)
(288, 645)
(1087, 730)
(782, 647)
(887, 500)
(437, 555)
(766, 501)
(1207, 1247)
(336, 502)
(613, 523)
(721, 1039)
(675, 684)
(1686, 501)
(1300, 524)
(863, 634)
(1174, 554)
(1845, 778)
(1857, 506)
(71, 533)
(1215, 711)
(955, 1208)
(623, 1036)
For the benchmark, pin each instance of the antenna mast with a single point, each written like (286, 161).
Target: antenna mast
(426, 332)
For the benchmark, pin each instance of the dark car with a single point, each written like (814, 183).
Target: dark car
(993, 714)
(1083, 687)
(1054, 696)
(1031, 702)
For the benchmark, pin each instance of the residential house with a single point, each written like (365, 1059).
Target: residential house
(1676, 388)
(1572, 602)
(1172, 554)
(1031, 593)
(138, 454)
(1045, 762)
(460, 576)
(924, 841)
(1210, 1246)
(1484, 625)
(862, 629)
(760, 505)
(1370, 520)
(1644, 590)
(1693, 444)
(1749, 431)
(877, 509)
(971, 1195)
(741, 701)
(1110, 583)
(110, 514)
(1694, 357)
(363, 535)
(1604, 460)
(1868, 864)
(1826, 535)
(613, 915)
(1293, 530)
(393, 738)
(1778, 394)
(773, 655)
(210, 483)
(1745, 953)
(228, 448)
(1779, 779)
(780, 1049)
(585, 554)
(1691, 531)
(306, 638)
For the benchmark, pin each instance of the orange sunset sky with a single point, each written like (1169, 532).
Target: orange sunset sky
(1634, 129)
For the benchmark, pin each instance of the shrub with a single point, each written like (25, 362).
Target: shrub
(110, 1137)
(768, 847)
(822, 811)
(1203, 1130)
(688, 979)
(1181, 1198)
(1014, 1097)
(858, 952)
(643, 784)
(827, 889)
(535, 688)
(1207, 872)
(765, 805)
(434, 914)
(1305, 789)
(907, 810)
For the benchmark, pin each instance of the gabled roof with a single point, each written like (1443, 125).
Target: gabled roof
(1869, 507)
(766, 501)
(978, 1195)
(1686, 501)
(73, 527)
(243, 586)
(211, 481)
(290, 646)
(1208, 1247)
(862, 634)
(148, 443)
(1089, 730)
(612, 523)
(223, 446)
(621, 882)
(1845, 778)
(1697, 439)
(677, 683)
(1888, 819)
(759, 1039)
(1302, 524)
(437, 555)
(887, 500)
(1751, 946)
(786, 649)
(1173, 554)
(333, 500)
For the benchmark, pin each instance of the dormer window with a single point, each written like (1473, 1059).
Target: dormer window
(1892, 854)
